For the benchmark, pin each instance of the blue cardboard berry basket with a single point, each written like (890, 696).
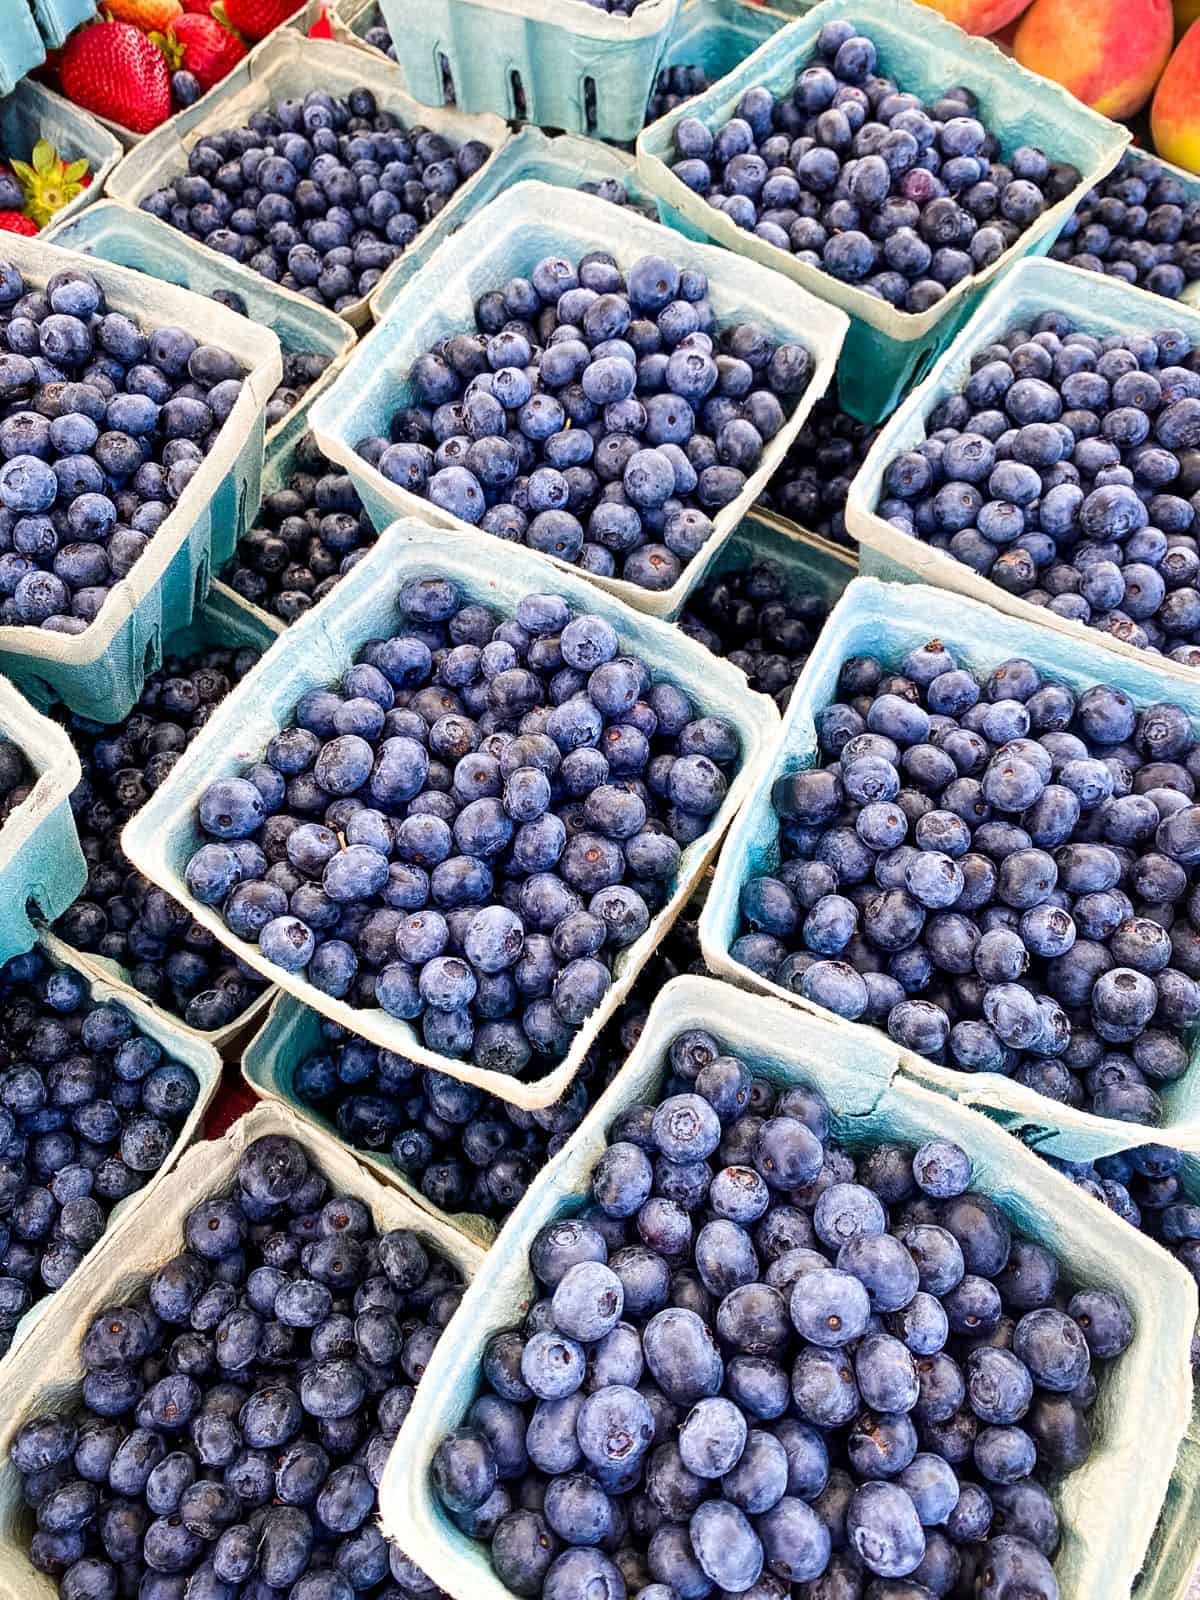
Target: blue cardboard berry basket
(716, 35)
(289, 1035)
(100, 673)
(1107, 1508)
(22, 47)
(887, 350)
(509, 237)
(1099, 305)
(889, 620)
(286, 65)
(571, 66)
(225, 619)
(316, 651)
(179, 1045)
(46, 1375)
(32, 112)
(41, 865)
(564, 159)
(57, 18)
(116, 232)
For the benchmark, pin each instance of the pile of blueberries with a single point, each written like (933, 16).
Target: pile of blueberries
(999, 873)
(597, 416)
(472, 827)
(854, 176)
(102, 426)
(90, 1110)
(379, 37)
(308, 534)
(236, 1415)
(1137, 225)
(760, 622)
(761, 1360)
(1146, 1187)
(16, 779)
(121, 915)
(301, 368)
(1068, 472)
(320, 194)
(673, 86)
(812, 484)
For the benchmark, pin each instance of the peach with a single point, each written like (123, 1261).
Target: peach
(1108, 53)
(1175, 115)
(979, 16)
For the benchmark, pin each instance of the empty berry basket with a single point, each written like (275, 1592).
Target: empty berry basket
(508, 238)
(284, 66)
(869, 1102)
(886, 349)
(41, 868)
(32, 112)
(317, 651)
(577, 67)
(888, 621)
(100, 672)
(1095, 305)
(307, 333)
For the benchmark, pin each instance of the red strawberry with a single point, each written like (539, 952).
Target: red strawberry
(200, 45)
(321, 28)
(111, 68)
(17, 222)
(201, 8)
(254, 18)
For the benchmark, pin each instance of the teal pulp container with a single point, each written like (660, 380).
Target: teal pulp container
(41, 865)
(560, 63)
(564, 159)
(224, 619)
(32, 112)
(100, 673)
(287, 64)
(130, 238)
(509, 237)
(1098, 305)
(22, 47)
(1107, 1507)
(716, 35)
(57, 18)
(886, 350)
(889, 620)
(316, 651)
(290, 1034)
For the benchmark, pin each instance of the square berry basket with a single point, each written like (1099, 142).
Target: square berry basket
(508, 238)
(115, 232)
(1107, 1507)
(46, 1375)
(316, 652)
(1097, 305)
(889, 620)
(887, 350)
(285, 65)
(41, 865)
(100, 672)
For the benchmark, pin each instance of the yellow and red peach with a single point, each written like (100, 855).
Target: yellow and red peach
(1175, 115)
(1108, 53)
(979, 16)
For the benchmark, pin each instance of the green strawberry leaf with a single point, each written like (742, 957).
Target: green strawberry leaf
(76, 170)
(44, 156)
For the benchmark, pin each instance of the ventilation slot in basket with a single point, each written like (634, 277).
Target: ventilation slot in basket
(449, 93)
(589, 104)
(520, 106)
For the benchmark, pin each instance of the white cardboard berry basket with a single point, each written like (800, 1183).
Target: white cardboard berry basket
(284, 65)
(1107, 1508)
(889, 620)
(178, 1044)
(100, 672)
(315, 653)
(46, 1374)
(508, 237)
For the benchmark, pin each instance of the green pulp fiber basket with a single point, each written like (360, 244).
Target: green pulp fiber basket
(41, 865)
(560, 63)
(224, 619)
(178, 1045)
(100, 673)
(31, 113)
(1099, 305)
(887, 350)
(47, 1376)
(509, 237)
(889, 620)
(291, 1034)
(564, 159)
(130, 238)
(316, 651)
(285, 65)
(1107, 1508)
